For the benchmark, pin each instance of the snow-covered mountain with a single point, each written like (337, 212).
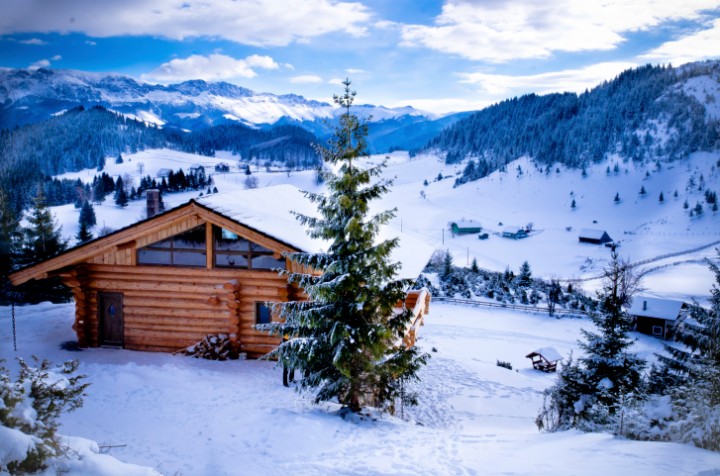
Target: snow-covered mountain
(32, 95)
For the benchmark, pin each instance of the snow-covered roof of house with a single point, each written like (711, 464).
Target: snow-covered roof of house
(513, 230)
(467, 223)
(592, 234)
(644, 306)
(270, 211)
(549, 353)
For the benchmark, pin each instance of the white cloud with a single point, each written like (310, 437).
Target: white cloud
(252, 22)
(306, 79)
(214, 67)
(571, 80)
(33, 41)
(91, 43)
(56, 58)
(336, 81)
(43, 63)
(354, 71)
(499, 31)
(701, 45)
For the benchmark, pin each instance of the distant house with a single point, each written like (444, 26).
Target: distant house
(656, 317)
(465, 227)
(514, 232)
(545, 359)
(163, 173)
(596, 237)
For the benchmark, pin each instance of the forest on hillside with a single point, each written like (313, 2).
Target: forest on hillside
(640, 115)
(83, 138)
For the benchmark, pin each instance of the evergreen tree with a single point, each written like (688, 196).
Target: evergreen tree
(693, 374)
(617, 198)
(83, 233)
(347, 338)
(643, 191)
(98, 191)
(121, 198)
(553, 295)
(42, 237)
(447, 265)
(42, 240)
(661, 198)
(10, 244)
(474, 266)
(87, 215)
(589, 393)
(524, 278)
(573, 204)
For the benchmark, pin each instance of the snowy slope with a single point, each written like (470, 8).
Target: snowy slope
(644, 227)
(180, 415)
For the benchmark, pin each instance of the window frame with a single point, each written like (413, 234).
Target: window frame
(259, 307)
(172, 250)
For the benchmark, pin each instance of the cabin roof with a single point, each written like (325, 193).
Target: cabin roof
(513, 230)
(645, 306)
(467, 224)
(264, 211)
(548, 353)
(592, 234)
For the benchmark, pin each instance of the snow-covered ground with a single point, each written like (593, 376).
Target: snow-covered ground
(645, 227)
(183, 416)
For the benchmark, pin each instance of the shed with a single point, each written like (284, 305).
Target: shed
(514, 232)
(208, 266)
(597, 237)
(655, 316)
(465, 227)
(545, 359)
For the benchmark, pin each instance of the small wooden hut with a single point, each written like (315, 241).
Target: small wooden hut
(204, 267)
(656, 317)
(545, 359)
(514, 232)
(596, 237)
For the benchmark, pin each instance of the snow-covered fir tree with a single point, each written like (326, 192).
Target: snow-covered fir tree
(590, 392)
(346, 340)
(691, 375)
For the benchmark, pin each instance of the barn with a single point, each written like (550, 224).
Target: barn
(465, 227)
(514, 232)
(656, 317)
(208, 266)
(596, 237)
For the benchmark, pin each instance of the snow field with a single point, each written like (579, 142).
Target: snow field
(181, 415)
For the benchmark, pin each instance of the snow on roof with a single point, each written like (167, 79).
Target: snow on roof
(644, 306)
(269, 210)
(592, 234)
(467, 223)
(513, 230)
(549, 353)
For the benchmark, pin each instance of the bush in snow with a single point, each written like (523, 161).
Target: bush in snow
(30, 409)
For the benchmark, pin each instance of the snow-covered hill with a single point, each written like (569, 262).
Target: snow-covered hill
(31, 95)
(663, 235)
(187, 416)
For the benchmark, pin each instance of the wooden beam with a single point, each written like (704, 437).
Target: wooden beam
(209, 245)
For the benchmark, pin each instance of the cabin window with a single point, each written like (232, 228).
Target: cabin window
(233, 251)
(263, 313)
(184, 249)
(657, 330)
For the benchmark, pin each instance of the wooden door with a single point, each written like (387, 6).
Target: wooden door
(110, 317)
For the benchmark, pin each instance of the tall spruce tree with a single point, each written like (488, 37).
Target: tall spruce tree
(590, 392)
(10, 244)
(346, 338)
(87, 215)
(42, 240)
(121, 197)
(691, 374)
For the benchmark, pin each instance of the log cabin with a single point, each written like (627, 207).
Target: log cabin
(209, 266)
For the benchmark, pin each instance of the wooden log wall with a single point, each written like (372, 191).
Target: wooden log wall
(167, 309)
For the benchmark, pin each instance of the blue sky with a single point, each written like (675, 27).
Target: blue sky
(439, 56)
